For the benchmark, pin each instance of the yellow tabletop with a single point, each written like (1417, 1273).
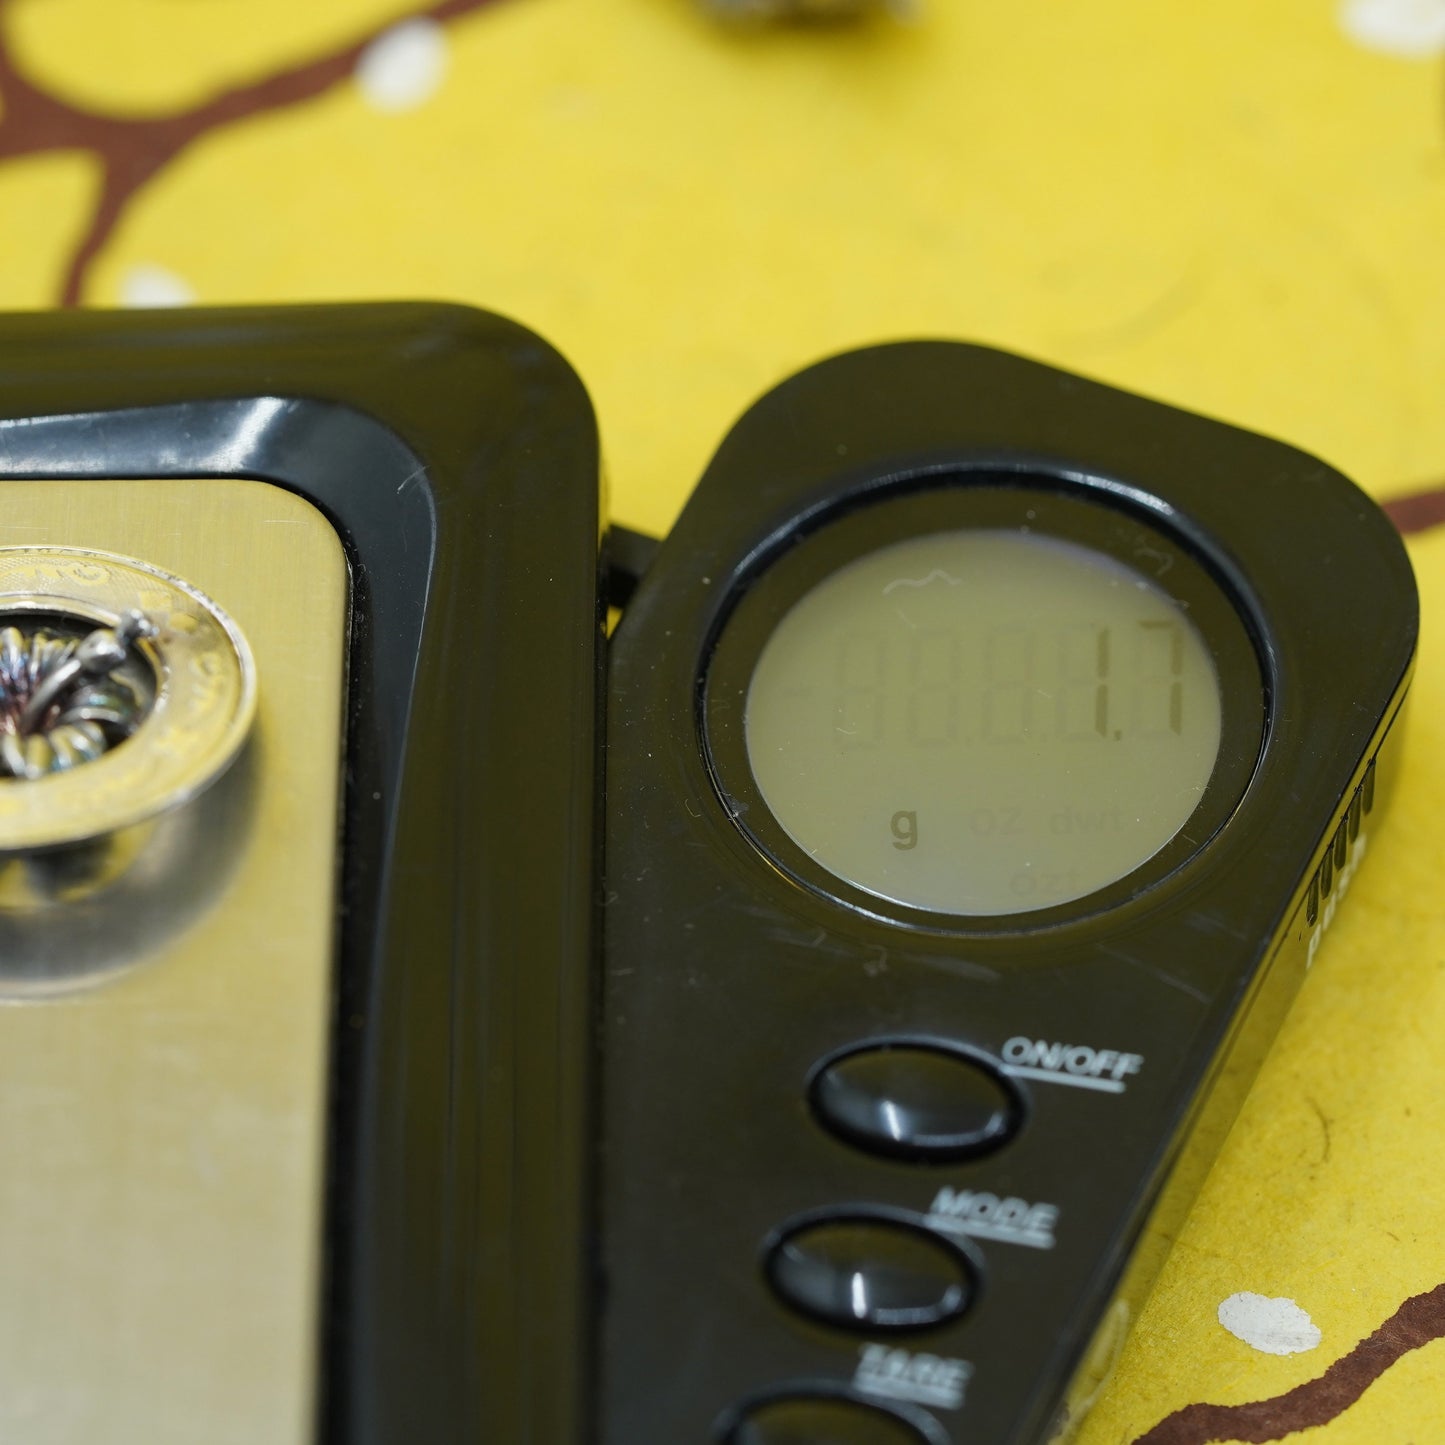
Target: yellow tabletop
(1238, 207)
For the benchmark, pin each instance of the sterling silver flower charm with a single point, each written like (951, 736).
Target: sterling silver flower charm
(64, 700)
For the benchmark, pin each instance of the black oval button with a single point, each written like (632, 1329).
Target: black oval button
(815, 1420)
(916, 1099)
(870, 1270)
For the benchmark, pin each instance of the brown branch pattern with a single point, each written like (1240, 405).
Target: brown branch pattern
(1417, 1322)
(1417, 511)
(132, 151)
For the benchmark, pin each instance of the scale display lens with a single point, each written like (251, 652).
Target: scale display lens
(983, 722)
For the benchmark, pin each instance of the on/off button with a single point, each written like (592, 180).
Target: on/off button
(916, 1098)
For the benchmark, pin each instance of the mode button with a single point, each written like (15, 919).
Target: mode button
(870, 1268)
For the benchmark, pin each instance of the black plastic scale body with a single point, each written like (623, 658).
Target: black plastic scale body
(875, 1173)
(448, 460)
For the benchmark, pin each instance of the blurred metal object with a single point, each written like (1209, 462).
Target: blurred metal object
(65, 701)
(124, 692)
(166, 960)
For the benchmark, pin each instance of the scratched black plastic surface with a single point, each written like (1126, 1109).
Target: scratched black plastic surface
(457, 456)
(726, 981)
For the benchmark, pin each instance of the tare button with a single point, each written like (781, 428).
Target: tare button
(809, 1416)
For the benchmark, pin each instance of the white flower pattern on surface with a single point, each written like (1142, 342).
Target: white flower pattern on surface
(404, 68)
(1411, 29)
(154, 286)
(1272, 1326)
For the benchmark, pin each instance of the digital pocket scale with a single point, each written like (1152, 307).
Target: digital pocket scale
(987, 751)
(986, 754)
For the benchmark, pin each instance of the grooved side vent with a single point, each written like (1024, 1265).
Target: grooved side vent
(1338, 851)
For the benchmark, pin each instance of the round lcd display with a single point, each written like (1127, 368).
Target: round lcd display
(983, 722)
